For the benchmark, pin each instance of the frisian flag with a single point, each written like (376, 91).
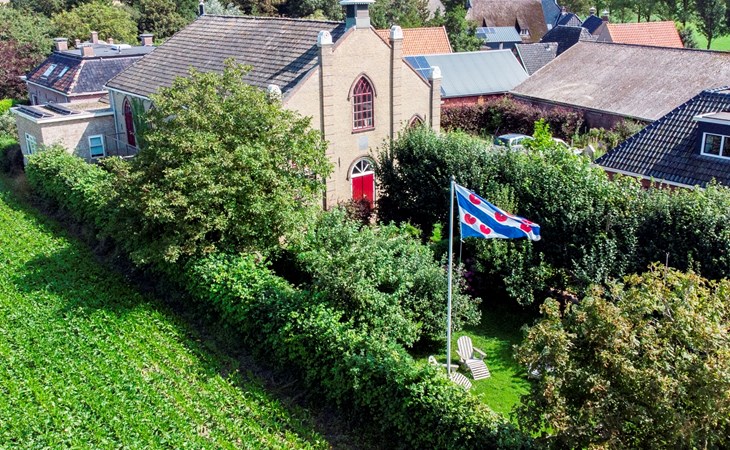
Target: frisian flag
(481, 219)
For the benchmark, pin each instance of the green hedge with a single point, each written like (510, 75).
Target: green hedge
(412, 405)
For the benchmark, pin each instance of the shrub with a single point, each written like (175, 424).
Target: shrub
(11, 158)
(387, 281)
(7, 125)
(372, 379)
(5, 105)
(86, 191)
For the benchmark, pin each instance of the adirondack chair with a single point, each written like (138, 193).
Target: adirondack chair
(476, 364)
(461, 380)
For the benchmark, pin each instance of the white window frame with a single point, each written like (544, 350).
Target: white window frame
(724, 153)
(31, 144)
(103, 147)
(49, 70)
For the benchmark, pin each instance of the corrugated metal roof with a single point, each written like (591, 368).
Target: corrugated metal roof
(498, 34)
(472, 73)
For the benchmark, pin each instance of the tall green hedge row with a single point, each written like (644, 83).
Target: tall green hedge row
(366, 376)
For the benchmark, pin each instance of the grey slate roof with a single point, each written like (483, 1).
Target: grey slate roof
(72, 74)
(534, 56)
(498, 34)
(667, 150)
(570, 20)
(592, 23)
(281, 51)
(472, 73)
(566, 36)
(551, 10)
(634, 81)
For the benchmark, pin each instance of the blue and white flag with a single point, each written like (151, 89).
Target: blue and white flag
(481, 219)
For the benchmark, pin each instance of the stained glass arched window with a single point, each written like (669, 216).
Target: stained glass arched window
(362, 105)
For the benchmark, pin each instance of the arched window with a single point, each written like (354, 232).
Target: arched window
(362, 105)
(129, 123)
(415, 122)
(363, 181)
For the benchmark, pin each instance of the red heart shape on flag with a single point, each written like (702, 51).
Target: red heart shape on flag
(526, 222)
(485, 229)
(526, 228)
(473, 198)
(500, 217)
(471, 220)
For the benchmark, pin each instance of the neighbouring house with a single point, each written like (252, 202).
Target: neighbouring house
(70, 101)
(593, 22)
(566, 36)
(471, 77)
(607, 83)
(498, 38)
(421, 41)
(526, 16)
(535, 56)
(689, 146)
(551, 11)
(354, 85)
(568, 19)
(660, 34)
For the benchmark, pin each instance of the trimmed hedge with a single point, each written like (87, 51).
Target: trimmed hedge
(412, 405)
(505, 115)
(11, 158)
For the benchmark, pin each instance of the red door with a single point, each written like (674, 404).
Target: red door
(363, 182)
(129, 123)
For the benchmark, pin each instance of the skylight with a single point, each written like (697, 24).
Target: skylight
(49, 70)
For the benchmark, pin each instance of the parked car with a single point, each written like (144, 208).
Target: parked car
(511, 140)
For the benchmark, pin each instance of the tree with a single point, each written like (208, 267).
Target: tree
(159, 17)
(45, 7)
(15, 63)
(711, 18)
(645, 364)
(217, 8)
(406, 13)
(25, 40)
(108, 20)
(462, 33)
(220, 168)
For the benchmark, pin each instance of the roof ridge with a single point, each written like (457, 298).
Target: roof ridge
(657, 47)
(280, 18)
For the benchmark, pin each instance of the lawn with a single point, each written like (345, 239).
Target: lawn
(496, 335)
(88, 362)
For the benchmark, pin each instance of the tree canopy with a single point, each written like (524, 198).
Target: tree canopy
(644, 364)
(110, 21)
(221, 167)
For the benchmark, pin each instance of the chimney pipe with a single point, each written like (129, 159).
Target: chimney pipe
(604, 16)
(94, 37)
(357, 13)
(77, 43)
(201, 8)
(87, 50)
(60, 44)
(146, 39)
(592, 11)
(110, 41)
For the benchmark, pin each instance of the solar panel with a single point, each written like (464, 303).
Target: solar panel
(33, 112)
(58, 109)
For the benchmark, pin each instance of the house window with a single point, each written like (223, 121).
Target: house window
(33, 99)
(96, 146)
(716, 145)
(363, 182)
(129, 123)
(30, 143)
(415, 122)
(362, 105)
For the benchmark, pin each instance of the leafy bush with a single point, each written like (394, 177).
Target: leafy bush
(642, 365)
(387, 281)
(374, 380)
(8, 126)
(85, 191)
(505, 115)
(11, 158)
(5, 105)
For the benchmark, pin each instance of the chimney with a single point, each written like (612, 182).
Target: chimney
(60, 44)
(110, 41)
(604, 15)
(77, 43)
(201, 8)
(357, 13)
(592, 11)
(146, 39)
(435, 103)
(87, 50)
(327, 118)
(563, 11)
(94, 37)
(396, 64)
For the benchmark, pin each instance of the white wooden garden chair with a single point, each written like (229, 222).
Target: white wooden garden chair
(461, 380)
(432, 360)
(475, 363)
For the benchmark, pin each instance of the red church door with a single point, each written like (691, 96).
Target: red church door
(129, 123)
(363, 182)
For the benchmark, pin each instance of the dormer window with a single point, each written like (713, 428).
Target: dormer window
(49, 71)
(524, 32)
(714, 134)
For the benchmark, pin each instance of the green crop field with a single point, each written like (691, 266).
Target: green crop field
(88, 362)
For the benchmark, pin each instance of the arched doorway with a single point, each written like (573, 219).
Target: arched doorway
(363, 182)
(129, 123)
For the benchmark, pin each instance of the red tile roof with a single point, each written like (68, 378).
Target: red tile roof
(657, 34)
(421, 41)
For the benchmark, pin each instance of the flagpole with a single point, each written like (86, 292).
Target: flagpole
(451, 262)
